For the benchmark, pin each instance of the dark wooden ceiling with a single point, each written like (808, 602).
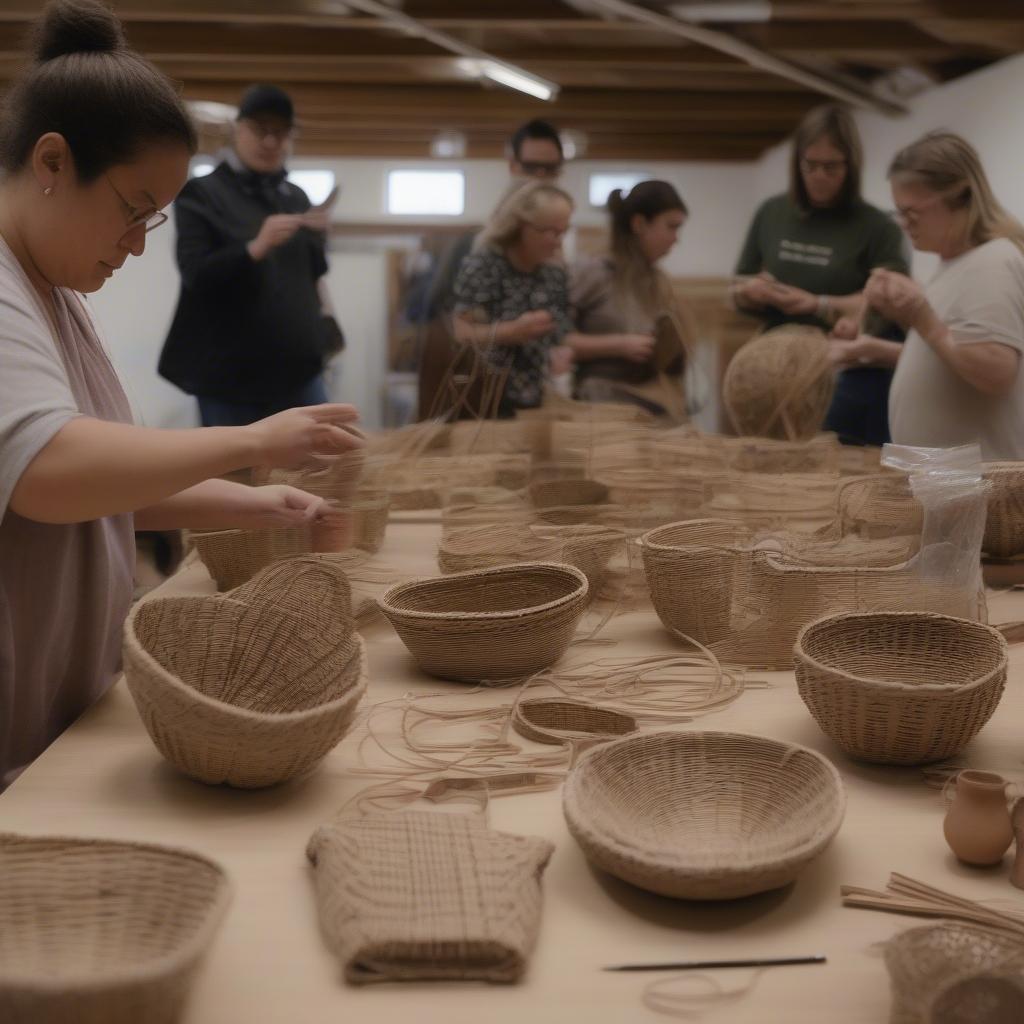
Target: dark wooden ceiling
(364, 88)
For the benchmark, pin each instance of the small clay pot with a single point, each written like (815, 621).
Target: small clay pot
(1017, 822)
(977, 825)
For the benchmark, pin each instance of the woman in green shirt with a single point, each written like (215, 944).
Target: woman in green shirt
(809, 253)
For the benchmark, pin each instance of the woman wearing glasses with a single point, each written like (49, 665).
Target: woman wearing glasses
(94, 142)
(958, 380)
(808, 255)
(512, 292)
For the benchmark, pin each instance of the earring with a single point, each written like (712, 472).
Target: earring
(48, 191)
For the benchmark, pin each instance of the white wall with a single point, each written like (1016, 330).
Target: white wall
(136, 307)
(984, 107)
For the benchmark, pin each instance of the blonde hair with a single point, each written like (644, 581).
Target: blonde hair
(522, 201)
(949, 165)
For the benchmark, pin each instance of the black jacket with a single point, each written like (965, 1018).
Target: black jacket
(243, 330)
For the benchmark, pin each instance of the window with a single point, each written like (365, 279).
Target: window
(317, 184)
(436, 193)
(602, 185)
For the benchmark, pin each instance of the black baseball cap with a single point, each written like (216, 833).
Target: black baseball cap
(267, 99)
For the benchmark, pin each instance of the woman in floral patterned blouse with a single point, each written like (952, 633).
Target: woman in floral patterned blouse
(512, 294)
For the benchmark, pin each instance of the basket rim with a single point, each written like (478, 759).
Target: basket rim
(169, 679)
(648, 543)
(669, 858)
(385, 604)
(805, 660)
(151, 970)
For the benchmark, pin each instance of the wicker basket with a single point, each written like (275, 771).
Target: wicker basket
(881, 505)
(252, 688)
(900, 687)
(559, 720)
(925, 962)
(370, 510)
(94, 931)
(233, 557)
(498, 623)
(567, 502)
(703, 815)
(780, 384)
(1004, 526)
(820, 454)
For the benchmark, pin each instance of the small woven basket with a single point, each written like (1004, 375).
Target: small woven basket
(900, 687)
(370, 509)
(498, 623)
(780, 384)
(925, 962)
(567, 502)
(94, 931)
(880, 505)
(560, 720)
(1004, 525)
(252, 688)
(233, 557)
(703, 815)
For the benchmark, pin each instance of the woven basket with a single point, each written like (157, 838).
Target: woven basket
(554, 720)
(94, 931)
(567, 502)
(780, 384)
(254, 687)
(233, 557)
(881, 505)
(488, 624)
(925, 962)
(370, 511)
(900, 687)
(1004, 526)
(820, 454)
(703, 815)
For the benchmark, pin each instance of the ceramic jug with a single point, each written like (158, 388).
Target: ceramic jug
(977, 825)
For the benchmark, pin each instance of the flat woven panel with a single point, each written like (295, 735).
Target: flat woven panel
(900, 687)
(252, 687)
(703, 815)
(94, 931)
(420, 895)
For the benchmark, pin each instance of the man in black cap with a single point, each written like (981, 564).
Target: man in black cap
(249, 337)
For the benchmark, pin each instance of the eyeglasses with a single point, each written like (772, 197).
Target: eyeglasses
(149, 218)
(540, 168)
(279, 134)
(910, 214)
(830, 167)
(555, 233)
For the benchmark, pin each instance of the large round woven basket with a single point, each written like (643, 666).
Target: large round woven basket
(497, 623)
(924, 962)
(780, 384)
(94, 931)
(1004, 525)
(703, 815)
(252, 688)
(900, 687)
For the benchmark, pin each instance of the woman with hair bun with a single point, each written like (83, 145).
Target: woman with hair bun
(94, 143)
(617, 299)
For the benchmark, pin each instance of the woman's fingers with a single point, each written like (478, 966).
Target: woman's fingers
(333, 412)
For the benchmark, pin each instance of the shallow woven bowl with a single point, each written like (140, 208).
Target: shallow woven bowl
(233, 557)
(703, 815)
(94, 931)
(900, 687)
(496, 623)
(254, 687)
(567, 502)
(1004, 524)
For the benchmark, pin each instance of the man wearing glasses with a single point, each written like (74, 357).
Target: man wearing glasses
(249, 336)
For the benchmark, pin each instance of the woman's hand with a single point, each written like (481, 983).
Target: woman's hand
(756, 291)
(561, 359)
(277, 505)
(637, 348)
(528, 327)
(793, 301)
(898, 297)
(297, 437)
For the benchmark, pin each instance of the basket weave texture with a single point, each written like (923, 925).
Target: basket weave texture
(924, 962)
(94, 931)
(554, 720)
(900, 687)
(1004, 524)
(703, 815)
(420, 895)
(233, 557)
(254, 687)
(497, 623)
(780, 384)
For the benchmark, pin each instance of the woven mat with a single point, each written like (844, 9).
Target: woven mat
(420, 895)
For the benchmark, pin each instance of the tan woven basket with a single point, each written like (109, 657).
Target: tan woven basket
(254, 687)
(703, 815)
(924, 962)
(496, 623)
(780, 384)
(94, 931)
(370, 509)
(567, 502)
(233, 557)
(820, 454)
(900, 687)
(880, 505)
(560, 720)
(1004, 525)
